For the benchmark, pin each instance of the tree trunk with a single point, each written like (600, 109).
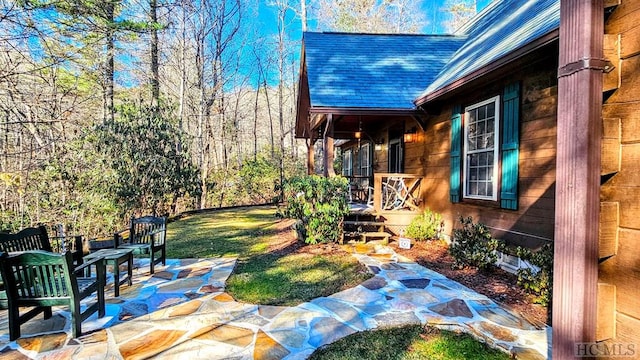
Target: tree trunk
(109, 111)
(155, 76)
(266, 94)
(255, 122)
(200, 127)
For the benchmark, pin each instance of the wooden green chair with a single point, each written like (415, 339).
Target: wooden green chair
(42, 279)
(36, 238)
(72, 243)
(146, 234)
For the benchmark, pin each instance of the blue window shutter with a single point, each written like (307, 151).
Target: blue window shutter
(510, 145)
(456, 150)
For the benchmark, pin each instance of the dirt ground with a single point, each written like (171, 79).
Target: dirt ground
(497, 284)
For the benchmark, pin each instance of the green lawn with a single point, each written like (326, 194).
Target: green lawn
(408, 343)
(271, 268)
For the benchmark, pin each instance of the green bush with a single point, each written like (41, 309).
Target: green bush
(539, 283)
(319, 204)
(426, 226)
(150, 171)
(473, 245)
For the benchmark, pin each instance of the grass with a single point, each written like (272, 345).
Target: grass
(225, 233)
(273, 268)
(408, 343)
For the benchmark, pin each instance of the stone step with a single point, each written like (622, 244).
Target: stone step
(375, 234)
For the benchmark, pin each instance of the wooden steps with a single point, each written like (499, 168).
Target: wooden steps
(377, 234)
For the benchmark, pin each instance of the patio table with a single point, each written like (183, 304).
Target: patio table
(116, 257)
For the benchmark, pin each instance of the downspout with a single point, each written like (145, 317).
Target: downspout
(577, 176)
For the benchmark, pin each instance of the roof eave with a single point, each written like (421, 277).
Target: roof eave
(511, 57)
(362, 111)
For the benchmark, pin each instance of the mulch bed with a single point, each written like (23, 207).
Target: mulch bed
(497, 284)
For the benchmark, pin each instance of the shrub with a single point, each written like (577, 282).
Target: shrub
(537, 281)
(426, 226)
(473, 245)
(258, 177)
(319, 204)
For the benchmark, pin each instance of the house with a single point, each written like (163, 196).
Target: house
(504, 121)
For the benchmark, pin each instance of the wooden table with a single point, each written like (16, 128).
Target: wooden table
(116, 257)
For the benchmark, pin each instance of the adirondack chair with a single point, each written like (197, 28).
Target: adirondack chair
(42, 279)
(146, 234)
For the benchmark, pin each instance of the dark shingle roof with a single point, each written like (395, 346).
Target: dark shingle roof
(501, 28)
(373, 71)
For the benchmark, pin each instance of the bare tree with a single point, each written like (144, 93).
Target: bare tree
(46, 97)
(371, 16)
(155, 78)
(460, 11)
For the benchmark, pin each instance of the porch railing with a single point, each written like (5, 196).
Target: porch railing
(396, 192)
(360, 189)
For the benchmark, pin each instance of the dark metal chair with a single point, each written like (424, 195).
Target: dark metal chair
(42, 279)
(146, 234)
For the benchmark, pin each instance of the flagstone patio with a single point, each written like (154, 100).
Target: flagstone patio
(182, 312)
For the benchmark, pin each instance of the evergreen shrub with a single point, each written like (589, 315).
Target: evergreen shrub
(473, 245)
(426, 226)
(319, 204)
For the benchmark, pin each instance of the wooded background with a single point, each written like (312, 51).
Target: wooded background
(127, 107)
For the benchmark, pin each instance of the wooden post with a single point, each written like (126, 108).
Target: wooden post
(311, 162)
(577, 175)
(377, 193)
(328, 148)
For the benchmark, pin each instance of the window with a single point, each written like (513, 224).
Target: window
(395, 155)
(474, 149)
(347, 163)
(480, 146)
(365, 159)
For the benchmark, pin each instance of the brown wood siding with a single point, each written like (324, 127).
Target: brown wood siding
(535, 215)
(620, 191)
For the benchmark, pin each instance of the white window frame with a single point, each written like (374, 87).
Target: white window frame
(496, 146)
(365, 166)
(347, 163)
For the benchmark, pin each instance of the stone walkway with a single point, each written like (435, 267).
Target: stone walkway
(182, 312)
